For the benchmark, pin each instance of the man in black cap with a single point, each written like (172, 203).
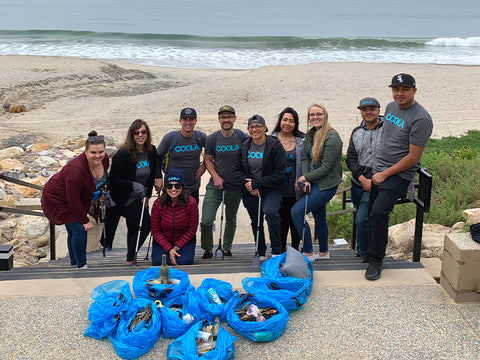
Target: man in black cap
(183, 148)
(364, 140)
(221, 151)
(407, 126)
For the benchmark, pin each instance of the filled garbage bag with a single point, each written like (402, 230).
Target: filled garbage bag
(192, 345)
(215, 298)
(111, 302)
(291, 292)
(147, 284)
(138, 331)
(179, 314)
(291, 263)
(270, 328)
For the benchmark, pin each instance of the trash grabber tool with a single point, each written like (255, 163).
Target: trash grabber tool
(148, 249)
(307, 190)
(139, 232)
(221, 228)
(256, 258)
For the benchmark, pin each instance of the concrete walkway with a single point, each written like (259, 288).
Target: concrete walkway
(404, 315)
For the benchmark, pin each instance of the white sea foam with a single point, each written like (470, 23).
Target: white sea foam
(455, 41)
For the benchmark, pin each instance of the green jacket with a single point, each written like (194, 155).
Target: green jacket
(327, 172)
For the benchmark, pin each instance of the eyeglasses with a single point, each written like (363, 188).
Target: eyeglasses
(252, 127)
(137, 132)
(315, 114)
(226, 117)
(95, 138)
(171, 186)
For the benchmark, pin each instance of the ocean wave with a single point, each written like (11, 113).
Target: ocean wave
(455, 41)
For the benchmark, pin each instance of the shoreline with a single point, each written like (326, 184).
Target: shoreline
(67, 97)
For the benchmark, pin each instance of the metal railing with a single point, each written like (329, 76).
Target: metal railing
(422, 201)
(30, 212)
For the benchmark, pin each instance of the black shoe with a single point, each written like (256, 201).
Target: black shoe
(374, 270)
(227, 253)
(207, 255)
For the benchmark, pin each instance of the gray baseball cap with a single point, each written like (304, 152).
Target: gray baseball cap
(368, 101)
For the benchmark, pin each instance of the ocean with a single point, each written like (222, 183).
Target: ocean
(234, 34)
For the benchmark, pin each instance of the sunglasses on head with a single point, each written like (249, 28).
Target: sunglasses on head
(137, 132)
(171, 186)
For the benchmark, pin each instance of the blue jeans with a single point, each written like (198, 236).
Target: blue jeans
(270, 206)
(382, 201)
(317, 205)
(187, 253)
(77, 244)
(360, 199)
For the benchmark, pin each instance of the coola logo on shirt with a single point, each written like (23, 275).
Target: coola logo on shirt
(143, 164)
(289, 156)
(395, 120)
(183, 148)
(255, 155)
(224, 148)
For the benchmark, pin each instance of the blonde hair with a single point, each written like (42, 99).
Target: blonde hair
(320, 134)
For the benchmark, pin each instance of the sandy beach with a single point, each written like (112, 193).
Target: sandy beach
(65, 98)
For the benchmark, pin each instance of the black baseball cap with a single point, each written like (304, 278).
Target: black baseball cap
(368, 101)
(403, 79)
(226, 108)
(256, 119)
(188, 112)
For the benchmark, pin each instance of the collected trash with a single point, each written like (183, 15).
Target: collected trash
(137, 331)
(179, 314)
(215, 298)
(148, 284)
(266, 320)
(205, 340)
(112, 300)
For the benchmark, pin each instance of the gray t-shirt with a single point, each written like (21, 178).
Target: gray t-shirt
(255, 159)
(224, 156)
(402, 127)
(185, 155)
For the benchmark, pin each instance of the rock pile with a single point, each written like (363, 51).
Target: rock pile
(33, 163)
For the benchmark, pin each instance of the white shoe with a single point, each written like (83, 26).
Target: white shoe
(317, 256)
(273, 255)
(263, 258)
(84, 267)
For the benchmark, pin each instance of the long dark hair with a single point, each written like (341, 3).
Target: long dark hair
(183, 198)
(94, 139)
(288, 110)
(129, 143)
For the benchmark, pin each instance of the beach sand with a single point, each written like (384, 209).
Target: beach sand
(65, 98)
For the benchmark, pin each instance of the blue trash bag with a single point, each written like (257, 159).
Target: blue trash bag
(269, 330)
(225, 293)
(180, 314)
(291, 292)
(185, 347)
(145, 284)
(132, 339)
(271, 268)
(112, 300)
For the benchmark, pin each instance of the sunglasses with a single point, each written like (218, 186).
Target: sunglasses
(171, 186)
(259, 126)
(95, 138)
(137, 132)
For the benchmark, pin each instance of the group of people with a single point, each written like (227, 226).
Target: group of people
(280, 177)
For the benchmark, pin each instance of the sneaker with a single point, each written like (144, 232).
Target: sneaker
(263, 258)
(128, 262)
(227, 253)
(374, 270)
(84, 267)
(207, 255)
(317, 256)
(273, 255)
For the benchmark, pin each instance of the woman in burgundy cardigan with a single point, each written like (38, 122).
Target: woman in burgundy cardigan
(174, 222)
(67, 196)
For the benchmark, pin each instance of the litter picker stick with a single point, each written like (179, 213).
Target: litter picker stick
(221, 228)
(256, 258)
(139, 232)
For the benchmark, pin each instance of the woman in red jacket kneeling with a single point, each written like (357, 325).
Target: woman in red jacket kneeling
(174, 222)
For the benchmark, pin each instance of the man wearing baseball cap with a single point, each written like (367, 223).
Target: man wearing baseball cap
(364, 140)
(221, 151)
(406, 130)
(183, 148)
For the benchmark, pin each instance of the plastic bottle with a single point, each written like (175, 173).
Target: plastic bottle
(213, 296)
(164, 270)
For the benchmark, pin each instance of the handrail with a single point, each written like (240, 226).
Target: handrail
(30, 212)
